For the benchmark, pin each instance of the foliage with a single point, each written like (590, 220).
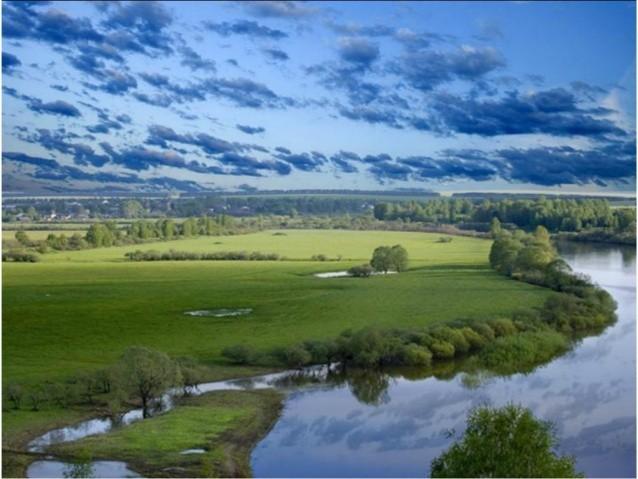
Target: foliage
(361, 271)
(19, 257)
(173, 255)
(146, 374)
(239, 354)
(505, 442)
(386, 258)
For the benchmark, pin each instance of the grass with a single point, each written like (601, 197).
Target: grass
(303, 244)
(78, 311)
(63, 317)
(227, 424)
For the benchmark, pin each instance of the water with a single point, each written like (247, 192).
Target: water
(325, 430)
(371, 425)
(106, 469)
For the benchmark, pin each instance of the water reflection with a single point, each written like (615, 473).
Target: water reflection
(394, 424)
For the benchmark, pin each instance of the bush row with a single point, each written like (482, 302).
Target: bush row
(20, 257)
(173, 255)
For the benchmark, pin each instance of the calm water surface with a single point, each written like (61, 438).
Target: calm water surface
(325, 430)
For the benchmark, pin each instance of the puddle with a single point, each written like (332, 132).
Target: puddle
(219, 313)
(105, 469)
(193, 451)
(344, 274)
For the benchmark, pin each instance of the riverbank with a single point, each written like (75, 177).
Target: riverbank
(598, 236)
(211, 435)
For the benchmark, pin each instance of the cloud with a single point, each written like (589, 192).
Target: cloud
(9, 63)
(276, 54)
(553, 112)
(342, 161)
(358, 50)
(58, 140)
(426, 69)
(58, 107)
(551, 166)
(301, 161)
(385, 170)
(194, 61)
(147, 20)
(279, 9)
(250, 130)
(373, 115)
(248, 28)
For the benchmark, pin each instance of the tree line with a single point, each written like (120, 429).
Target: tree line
(571, 215)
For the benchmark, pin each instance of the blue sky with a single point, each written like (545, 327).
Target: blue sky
(446, 96)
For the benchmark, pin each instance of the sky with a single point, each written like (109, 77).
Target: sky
(197, 96)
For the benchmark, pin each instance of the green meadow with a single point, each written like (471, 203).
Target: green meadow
(78, 311)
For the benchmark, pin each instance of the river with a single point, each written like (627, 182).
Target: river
(375, 425)
(589, 394)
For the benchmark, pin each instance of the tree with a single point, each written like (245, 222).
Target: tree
(22, 238)
(505, 442)
(399, 258)
(542, 235)
(495, 227)
(146, 374)
(132, 209)
(381, 259)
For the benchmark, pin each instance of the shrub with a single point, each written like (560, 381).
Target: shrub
(484, 330)
(295, 356)
(442, 349)
(474, 339)
(452, 336)
(20, 257)
(502, 326)
(415, 355)
(15, 393)
(361, 271)
(238, 354)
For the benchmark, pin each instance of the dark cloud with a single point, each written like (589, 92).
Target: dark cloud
(60, 141)
(248, 28)
(58, 107)
(373, 115)
(358, 50)
(279, 9)
(276, 54)
(239, 91)
(461, 164)
(147, 20)
(251, 130)
(9, 63)
(194, 61)
(343, 159)
(550, 166)
(301, 161)
(386, 170)
(426, 69)
(553, 112)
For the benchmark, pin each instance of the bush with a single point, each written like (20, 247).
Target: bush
(484, 330)
(20, 257)
(442, 349)
(238, 354)
(415, 355)
(502, 326)
(444, 239)
(474, 339)
(15, 393)
(295, 356)
(362, 271)
(452, 336)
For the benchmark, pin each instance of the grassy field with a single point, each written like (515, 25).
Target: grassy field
(303, 244)
(78, 311)
(62, 317)
(226, 424)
